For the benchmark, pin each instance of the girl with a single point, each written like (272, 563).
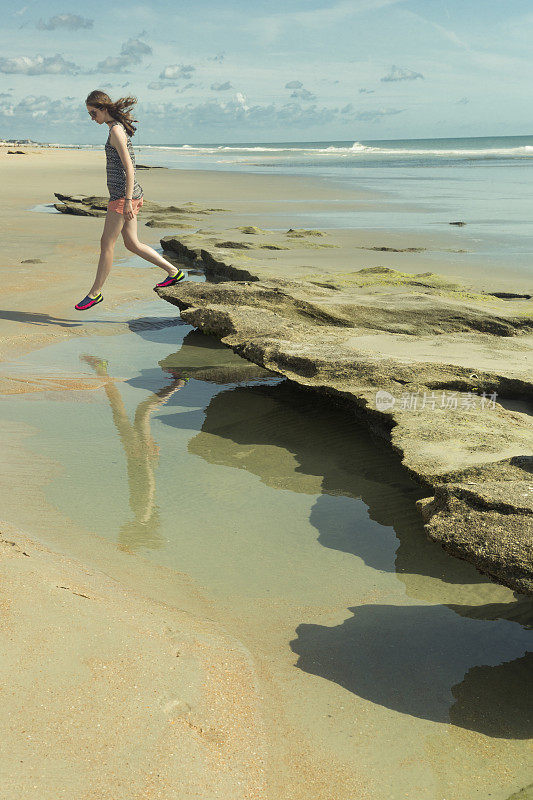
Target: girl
(125, 194)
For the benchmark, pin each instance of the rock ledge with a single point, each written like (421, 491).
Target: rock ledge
(442, 373)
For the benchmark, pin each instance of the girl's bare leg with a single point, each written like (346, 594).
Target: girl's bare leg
(112, 227)
(132, 243)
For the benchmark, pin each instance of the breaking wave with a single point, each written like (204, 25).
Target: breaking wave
(354, 150)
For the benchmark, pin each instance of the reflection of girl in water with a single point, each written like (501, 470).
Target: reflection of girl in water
(142, 454)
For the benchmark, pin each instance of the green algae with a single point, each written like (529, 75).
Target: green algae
(384, 276)
(523, 794)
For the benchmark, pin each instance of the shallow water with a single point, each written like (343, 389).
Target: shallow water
(46, 208)
(390, 660)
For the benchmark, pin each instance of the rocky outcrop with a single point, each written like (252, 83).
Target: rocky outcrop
(523, 794)
(81, 205)
(159, 216)
(437, 370)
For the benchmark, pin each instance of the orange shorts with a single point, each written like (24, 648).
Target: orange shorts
(118, 205)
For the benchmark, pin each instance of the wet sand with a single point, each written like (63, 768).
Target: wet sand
(133, 672)
(107, 694)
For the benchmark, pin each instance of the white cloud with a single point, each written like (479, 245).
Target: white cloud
(177, 72)
(113, 64)
(71, 22)
(219, 57)
(135, 49)
(38, 65)
(237, 113)
(401, 74)
(131, 54)
(42, 108)
(233, 116)
(377, 114)
(241, 101)
(7, 105)
(185, 88)
(299, 92)
(36, 106)
(221, 87)
(303, 94)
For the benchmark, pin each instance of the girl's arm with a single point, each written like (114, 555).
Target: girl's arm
(118, 139)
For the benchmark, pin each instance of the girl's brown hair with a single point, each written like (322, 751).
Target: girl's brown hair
(119, 109)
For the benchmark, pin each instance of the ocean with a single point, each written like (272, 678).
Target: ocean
(424, 184)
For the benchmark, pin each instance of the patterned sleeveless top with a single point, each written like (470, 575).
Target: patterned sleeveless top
(116, 174)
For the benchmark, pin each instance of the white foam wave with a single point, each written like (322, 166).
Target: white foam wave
(354, 150)
(357, 147)
(222, 148)
(261, 149)
(501, 151)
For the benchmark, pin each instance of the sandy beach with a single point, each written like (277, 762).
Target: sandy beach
(126, 677)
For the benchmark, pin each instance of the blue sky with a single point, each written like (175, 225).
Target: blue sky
(208, 71)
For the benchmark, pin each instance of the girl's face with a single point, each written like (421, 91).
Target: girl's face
(97, 114)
